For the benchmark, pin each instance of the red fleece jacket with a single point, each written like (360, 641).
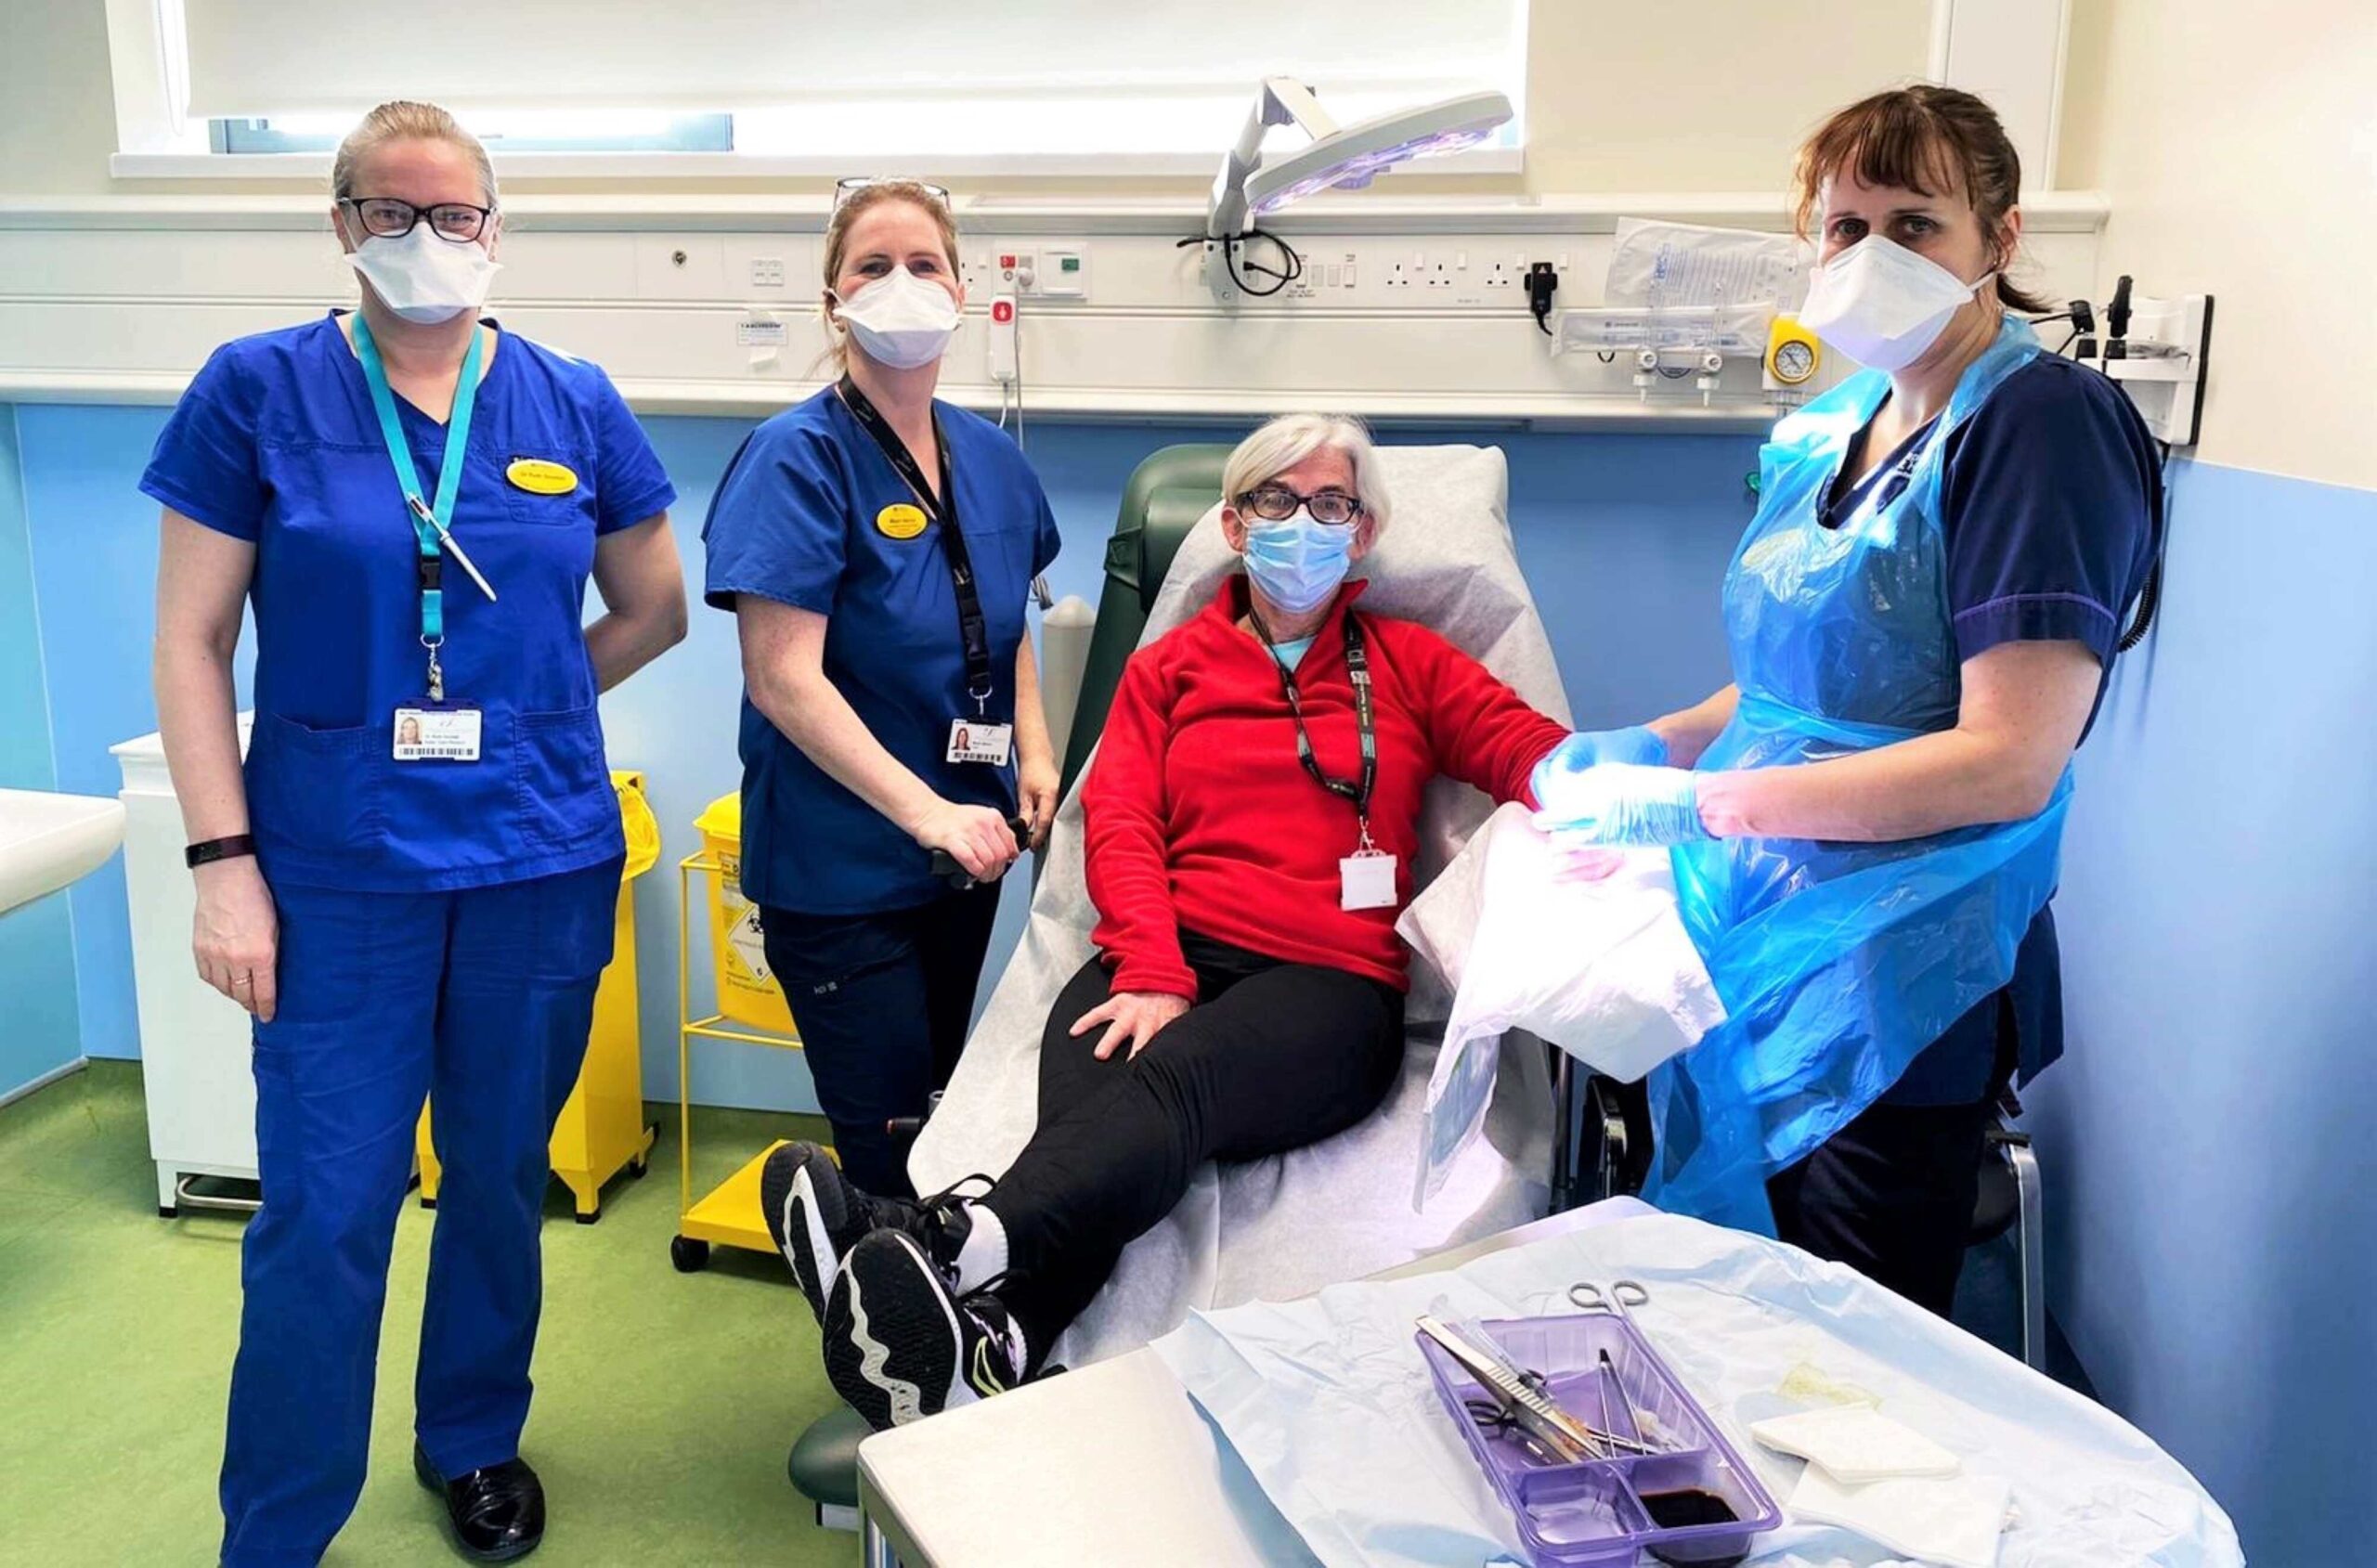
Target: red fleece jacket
(1198, 814)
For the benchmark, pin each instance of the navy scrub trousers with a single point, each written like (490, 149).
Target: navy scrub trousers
(482, 998)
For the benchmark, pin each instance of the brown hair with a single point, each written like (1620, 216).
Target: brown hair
(865, 199)
(1933, 141)
(403, 120)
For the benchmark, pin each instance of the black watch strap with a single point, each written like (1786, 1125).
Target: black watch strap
(215, 849)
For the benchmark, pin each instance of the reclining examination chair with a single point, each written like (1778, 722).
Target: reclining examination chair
(1163, 500)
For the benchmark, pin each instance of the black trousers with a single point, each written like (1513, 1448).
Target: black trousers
(1891, 1195)
(1273, 1057)
(882, 1002)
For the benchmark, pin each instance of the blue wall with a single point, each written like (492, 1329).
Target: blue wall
(39, 1029)
(1615, 532)
(2206, 1146)
(2212, 1196)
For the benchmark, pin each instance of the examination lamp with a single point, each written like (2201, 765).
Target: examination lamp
(1348, 157)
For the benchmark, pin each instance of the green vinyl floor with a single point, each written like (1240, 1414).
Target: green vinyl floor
(664, 1402)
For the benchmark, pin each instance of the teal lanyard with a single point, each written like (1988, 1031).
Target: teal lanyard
(430, 521)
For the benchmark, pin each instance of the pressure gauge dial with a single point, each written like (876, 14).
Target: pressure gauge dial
(1794, 362)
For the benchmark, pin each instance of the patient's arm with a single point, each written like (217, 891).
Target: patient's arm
(1688, 732)
(1480, 731)
(1124, 818)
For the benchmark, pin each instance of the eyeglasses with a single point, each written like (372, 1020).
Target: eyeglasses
(1275, 503)
(388, 218)
(852, 185)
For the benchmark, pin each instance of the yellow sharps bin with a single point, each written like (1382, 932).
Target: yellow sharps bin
(750, 1009)
(602, 1129)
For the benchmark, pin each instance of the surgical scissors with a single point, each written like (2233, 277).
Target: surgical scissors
(1613, 1298)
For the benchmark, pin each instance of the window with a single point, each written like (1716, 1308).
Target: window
(791, 86)
(502, 133)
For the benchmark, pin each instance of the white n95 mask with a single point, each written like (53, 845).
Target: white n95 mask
(1882, 304)
(900, 320)
(425, 278)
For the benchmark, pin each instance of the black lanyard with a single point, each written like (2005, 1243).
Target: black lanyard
(973, 630)
(1358, 665)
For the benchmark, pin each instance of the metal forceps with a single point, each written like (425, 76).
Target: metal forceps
(1616, 1299)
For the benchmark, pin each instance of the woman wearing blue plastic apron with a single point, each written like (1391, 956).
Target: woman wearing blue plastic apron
(1922, 618)
(878, 548)
(412, 885)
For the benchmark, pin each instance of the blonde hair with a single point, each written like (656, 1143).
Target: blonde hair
(865, 199)
(1287, 440)
(401, 120)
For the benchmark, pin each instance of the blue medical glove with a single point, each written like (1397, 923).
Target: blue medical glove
(1568, 761)
(1626, 805)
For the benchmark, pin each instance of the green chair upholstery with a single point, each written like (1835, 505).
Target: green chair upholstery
(1165, 496)
(823, 1465)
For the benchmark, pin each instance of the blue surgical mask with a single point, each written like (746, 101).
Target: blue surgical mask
(1297, 561)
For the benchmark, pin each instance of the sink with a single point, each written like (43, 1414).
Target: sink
(49, 840)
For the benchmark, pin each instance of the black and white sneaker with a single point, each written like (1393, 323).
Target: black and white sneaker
(815, 1215)
(901, 1345)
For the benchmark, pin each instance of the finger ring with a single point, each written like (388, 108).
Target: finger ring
(243, 979)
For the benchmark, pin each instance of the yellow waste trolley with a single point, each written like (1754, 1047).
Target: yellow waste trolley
(602, 1129)
(751, 1010)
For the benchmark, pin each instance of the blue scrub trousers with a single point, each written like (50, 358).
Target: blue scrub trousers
(484, 998)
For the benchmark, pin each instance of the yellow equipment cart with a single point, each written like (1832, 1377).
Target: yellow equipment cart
(747, 996)
(602, 1129)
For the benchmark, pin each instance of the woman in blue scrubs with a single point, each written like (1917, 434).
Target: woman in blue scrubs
(1923, 617)
(877, 547)
(412, 887)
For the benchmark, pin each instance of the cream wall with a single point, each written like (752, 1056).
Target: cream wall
(1619, 98)
(2237, 149)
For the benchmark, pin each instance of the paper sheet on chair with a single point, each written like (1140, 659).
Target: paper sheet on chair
(1602, 970)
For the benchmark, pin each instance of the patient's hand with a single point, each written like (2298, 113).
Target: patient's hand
(1134, 1016)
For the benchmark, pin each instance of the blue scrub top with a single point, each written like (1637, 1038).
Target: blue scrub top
(798, 519)
(2048, 502)
(275, 442)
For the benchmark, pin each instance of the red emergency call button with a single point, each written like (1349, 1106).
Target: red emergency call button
(1002, 311)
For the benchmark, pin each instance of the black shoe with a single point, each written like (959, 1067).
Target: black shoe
(498, 1513)
(901, 1344)
(815, 1215)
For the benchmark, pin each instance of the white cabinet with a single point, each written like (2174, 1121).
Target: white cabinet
(194, 1041)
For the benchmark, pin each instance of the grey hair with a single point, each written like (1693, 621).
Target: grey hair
(402, 120)
(1287, 440)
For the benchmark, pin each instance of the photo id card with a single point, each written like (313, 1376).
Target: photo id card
(1366, 880)
(977, 741)
(436, 734)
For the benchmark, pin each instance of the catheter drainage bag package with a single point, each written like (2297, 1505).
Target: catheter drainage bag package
(1327, 1403)
(1600, 966)
(1341, 1207)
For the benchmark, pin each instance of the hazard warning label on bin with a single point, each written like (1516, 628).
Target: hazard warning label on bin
(744, 938)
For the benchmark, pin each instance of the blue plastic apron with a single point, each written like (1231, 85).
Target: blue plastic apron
(1837, 963)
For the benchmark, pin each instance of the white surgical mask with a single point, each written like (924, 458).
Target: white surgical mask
(1882, 304)
(900, 320)
(423, 278)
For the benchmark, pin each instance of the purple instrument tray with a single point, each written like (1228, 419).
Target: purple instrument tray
(1595, 1512)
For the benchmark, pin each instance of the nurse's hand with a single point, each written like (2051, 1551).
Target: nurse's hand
(237, 936)
(1134, 1016)
(975, 836)
(1625, 804)
(1569, 761)
(1036, 788)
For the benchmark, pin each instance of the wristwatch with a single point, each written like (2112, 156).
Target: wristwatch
(215, 849)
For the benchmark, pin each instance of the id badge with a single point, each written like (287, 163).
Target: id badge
(1366, 880)
(436, 733)
(971, 741)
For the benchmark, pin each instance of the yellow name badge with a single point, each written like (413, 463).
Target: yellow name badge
(541, 478)
(900, 521)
